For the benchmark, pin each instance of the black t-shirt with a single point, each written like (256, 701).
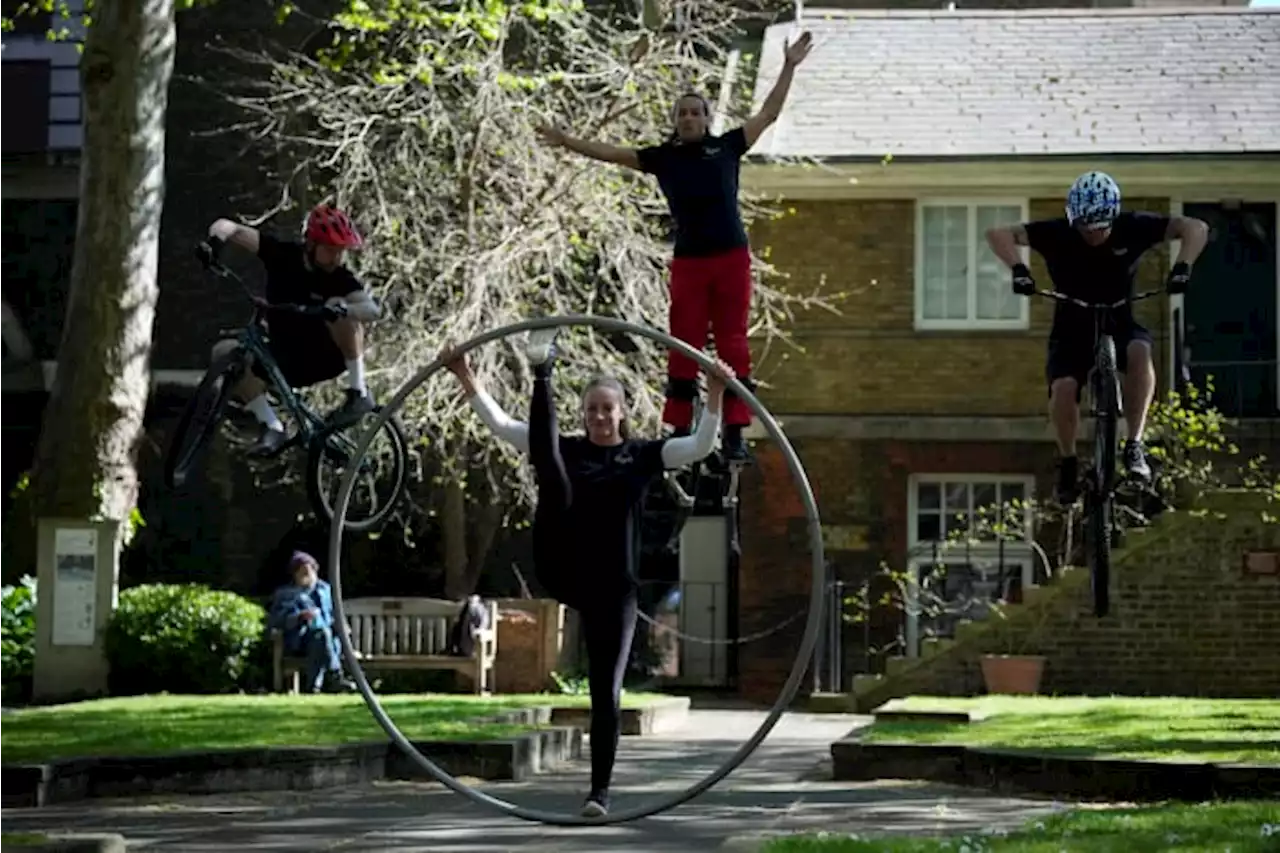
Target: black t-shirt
(290, 280)
(700, 181)
(609, 487)
(1095, 273)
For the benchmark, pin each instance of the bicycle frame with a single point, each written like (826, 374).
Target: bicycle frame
(1102, 341)
(252, 339)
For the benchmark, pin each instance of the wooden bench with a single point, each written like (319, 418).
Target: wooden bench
(403, 634)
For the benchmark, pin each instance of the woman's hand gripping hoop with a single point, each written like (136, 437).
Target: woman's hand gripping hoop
(807, 643)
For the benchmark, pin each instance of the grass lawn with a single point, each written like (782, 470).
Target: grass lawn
(148, 725)
(1244, 730)
(1238, 827)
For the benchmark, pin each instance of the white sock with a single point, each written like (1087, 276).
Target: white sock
(262, 410)
(355, 375)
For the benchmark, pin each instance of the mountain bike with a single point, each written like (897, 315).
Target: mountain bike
(1102, 531)
(329, 447)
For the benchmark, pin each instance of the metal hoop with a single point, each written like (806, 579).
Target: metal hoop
(807, 644)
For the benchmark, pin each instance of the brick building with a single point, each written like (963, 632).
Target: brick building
(926, 396)
(926, 392)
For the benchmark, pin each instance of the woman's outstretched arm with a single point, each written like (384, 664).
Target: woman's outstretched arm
(678, 452)
(505, 427)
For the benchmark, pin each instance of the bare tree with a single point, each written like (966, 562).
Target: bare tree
(422, 119)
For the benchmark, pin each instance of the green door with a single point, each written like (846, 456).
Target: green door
(1230, 320)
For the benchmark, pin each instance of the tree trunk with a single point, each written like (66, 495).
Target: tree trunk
(453, 529)
(85, 461)
(484, 523)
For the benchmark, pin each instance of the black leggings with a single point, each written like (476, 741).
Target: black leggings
(609, 623)
(608, 629)
(555, 495)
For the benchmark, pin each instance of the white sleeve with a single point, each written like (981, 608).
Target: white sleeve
(505, 427)
(678, 452)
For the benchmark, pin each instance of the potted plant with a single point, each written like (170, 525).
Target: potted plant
(1014, 670)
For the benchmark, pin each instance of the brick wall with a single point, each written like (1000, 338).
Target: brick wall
(530, 639)
(862, 489)
(870, 359)
(773, 574)
(1186, 619)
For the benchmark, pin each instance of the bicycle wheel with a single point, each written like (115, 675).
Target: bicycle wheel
(388, 460)
(201, 417)
(1098, 524)
(1106, 412)
(1101, 511)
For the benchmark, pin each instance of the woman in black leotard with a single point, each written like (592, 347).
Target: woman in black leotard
(586, 524)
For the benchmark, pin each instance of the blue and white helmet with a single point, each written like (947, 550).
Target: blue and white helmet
(1094, 200)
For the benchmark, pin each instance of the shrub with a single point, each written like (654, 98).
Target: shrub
(182, 638)
(18, 638)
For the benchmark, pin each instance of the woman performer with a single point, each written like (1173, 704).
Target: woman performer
(586, 527)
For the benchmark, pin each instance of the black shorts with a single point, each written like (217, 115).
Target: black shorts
(304, 351)
(1071, 355)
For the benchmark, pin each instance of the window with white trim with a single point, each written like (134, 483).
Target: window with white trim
(960, 283)
(969, 545)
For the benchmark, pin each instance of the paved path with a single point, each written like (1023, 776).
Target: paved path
(782, 788)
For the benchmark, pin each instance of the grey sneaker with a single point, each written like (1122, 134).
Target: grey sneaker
(597, 805)
(1135, 461)
(540, 348)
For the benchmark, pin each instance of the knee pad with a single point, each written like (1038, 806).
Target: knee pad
(222, 348)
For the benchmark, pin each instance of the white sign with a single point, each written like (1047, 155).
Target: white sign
(75, 569)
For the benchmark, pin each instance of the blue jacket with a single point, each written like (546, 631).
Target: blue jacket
(289, 603)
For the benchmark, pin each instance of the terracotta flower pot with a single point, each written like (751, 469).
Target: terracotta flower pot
(1012, 674)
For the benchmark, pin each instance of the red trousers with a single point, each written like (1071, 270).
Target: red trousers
(714, 293)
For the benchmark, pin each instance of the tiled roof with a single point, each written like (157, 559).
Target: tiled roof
(968, 84)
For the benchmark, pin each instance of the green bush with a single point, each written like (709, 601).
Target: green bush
(182, 638)
(18, 638)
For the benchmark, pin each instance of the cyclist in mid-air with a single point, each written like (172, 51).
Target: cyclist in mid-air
(308, 349)
(1092, 254)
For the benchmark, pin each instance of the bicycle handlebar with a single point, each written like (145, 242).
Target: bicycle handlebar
(1095, 306)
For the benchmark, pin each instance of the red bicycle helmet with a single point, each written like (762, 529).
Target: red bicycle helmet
(329, 226)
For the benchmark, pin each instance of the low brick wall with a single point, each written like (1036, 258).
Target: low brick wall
(531, 637)
(1190, 616)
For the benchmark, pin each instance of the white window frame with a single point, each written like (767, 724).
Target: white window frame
(920, 553)
(969, 324)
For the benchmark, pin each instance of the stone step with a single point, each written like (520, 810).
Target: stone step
(863, 681)
(830, 703)
(931, 646)
(1034, 593)
(896, 665)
